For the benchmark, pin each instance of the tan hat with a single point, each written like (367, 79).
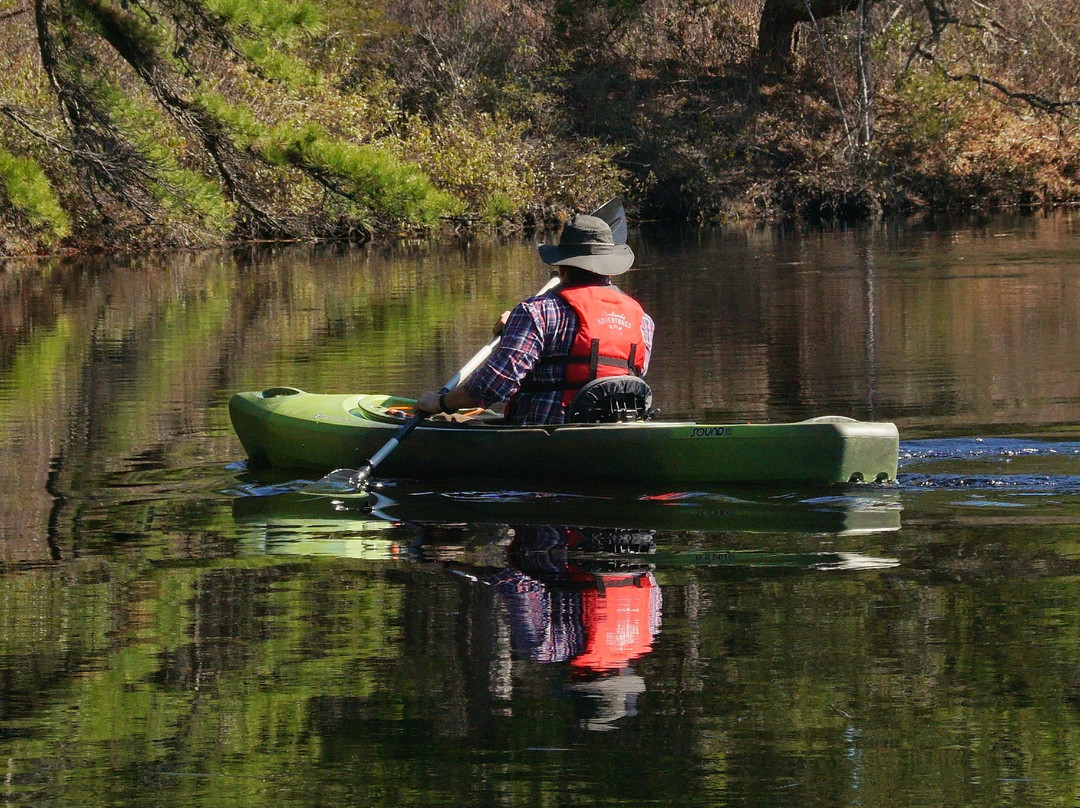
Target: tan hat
(586, 243)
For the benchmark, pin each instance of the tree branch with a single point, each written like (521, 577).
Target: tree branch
(1034, 100)
(101, 154)
(123, 34)
(7, 15)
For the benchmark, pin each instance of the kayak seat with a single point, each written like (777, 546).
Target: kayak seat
(611, 399)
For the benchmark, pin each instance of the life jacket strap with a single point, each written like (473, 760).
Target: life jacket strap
(594, 361)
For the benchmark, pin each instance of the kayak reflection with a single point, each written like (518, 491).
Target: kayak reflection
(839, 510)
(577, 605)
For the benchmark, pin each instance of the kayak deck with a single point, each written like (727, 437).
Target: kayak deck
(288, 428)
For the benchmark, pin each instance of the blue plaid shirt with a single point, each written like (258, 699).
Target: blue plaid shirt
(539, 327)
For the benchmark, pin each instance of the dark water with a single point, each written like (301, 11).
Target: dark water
(178, 630)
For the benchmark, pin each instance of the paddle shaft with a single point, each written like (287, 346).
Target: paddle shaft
(466, 370)
(481, 356)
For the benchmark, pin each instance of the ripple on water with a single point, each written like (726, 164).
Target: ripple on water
(1041, 477)
(984, 449)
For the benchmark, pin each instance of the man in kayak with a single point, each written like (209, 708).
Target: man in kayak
(555, 343)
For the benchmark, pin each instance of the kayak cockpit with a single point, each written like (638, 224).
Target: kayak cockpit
(398, 410)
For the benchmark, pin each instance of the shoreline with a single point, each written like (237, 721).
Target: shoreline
(448, 237)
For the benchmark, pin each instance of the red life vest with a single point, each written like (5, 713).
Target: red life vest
(608, 341)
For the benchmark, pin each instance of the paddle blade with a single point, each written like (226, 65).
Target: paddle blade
(614, 214)
(339, 483)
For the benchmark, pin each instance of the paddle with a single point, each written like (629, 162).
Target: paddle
(611, 212)
(614, 214)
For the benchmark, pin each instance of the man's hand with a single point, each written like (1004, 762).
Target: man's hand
(428, 403)
(500, 324)
(456, 399)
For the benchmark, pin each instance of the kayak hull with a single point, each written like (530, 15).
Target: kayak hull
(288, 428)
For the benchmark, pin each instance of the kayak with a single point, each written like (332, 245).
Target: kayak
(287, 428)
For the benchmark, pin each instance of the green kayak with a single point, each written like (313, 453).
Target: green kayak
(288, 428)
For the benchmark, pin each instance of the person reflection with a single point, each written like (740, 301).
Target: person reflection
(569, 599)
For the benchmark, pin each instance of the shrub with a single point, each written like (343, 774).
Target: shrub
(29, 192)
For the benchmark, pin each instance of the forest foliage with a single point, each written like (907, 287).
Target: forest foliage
(127, 124)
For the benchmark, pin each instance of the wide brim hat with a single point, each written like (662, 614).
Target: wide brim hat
(586, 243)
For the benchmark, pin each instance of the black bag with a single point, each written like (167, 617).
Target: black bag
(611, 399)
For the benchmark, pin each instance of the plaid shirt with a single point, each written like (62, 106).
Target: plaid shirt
(539, 327)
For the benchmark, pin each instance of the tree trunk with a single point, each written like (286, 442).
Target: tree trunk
(776, 32)
(867, 111)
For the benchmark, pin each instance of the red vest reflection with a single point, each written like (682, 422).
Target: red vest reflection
(620, 614)
(597, 614)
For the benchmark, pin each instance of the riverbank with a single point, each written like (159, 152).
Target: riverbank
(354, 123)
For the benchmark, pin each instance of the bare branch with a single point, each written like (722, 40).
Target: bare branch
(7, 15)
(104, 157)
(1034, 100)
(119, 32)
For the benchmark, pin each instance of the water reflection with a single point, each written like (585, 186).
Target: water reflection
(930, 328)
(110, 367)
(168, 637)
(584, 599)
(840, 510)
(564, 606)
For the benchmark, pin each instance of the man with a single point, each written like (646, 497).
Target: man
(555, 343)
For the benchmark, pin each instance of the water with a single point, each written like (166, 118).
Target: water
(177, 629)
